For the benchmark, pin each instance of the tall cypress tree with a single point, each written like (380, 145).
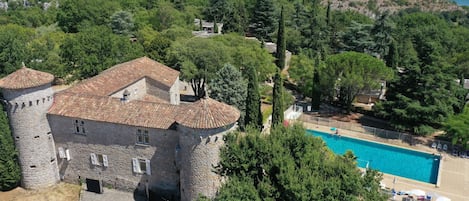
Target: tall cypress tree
(253, 100)
(316, 96)
(281, 44)
(9, 168)
(277, 108)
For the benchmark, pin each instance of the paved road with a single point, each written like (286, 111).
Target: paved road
(109, 194)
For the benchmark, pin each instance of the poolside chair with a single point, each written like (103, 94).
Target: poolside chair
(462, 154)
(455, 152)
(439, 146)
(445, 147)
(434, 145)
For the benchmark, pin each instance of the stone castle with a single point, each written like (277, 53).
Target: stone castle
(126, 127)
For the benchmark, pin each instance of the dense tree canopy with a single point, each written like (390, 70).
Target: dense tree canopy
(229, 86)
(457, 128)
(9, 168)
(289, 165)
(350, 73)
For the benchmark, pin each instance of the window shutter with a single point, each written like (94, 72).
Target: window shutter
(61, 152)
(94, 160)
(148, 170)
(135, 165)
(105, 163)
(67, 154)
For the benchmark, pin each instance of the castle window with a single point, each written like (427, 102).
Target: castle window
(30, 103)
(142, 137)
(80, 127)
(99, 160)
(141, 166)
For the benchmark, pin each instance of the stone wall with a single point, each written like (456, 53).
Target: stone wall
(175, 95)
(27, 113)
(118, 142)
(136, 90)
(200, 150)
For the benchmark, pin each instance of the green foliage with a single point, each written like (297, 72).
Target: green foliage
(289, 165)
(230, 87)
(198, 59)
(9, 169)
(302, 71)
(263, 20)
(281, 45)
(425, 92)
(457, 128)
(277, 103)
(95, 49)
(351, 73)
(122, 23)
(13, 43)
(253, 100)
(76, 14)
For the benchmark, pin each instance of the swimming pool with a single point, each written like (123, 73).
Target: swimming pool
(384, 158)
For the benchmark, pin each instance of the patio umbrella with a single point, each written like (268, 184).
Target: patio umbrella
(417, 192)
(442, 198)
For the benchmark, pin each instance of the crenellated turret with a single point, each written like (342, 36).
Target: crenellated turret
(28, 95)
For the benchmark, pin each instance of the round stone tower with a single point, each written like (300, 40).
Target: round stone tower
(28, 95)
(201, 128)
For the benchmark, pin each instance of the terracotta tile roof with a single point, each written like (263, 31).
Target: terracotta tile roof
(108, 109)
(207, 113)
(25, 78)
(121, 75)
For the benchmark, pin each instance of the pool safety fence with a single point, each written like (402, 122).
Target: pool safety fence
(380, 133)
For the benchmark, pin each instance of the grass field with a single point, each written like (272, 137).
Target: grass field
(59, 192)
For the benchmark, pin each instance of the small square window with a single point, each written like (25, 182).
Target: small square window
(143, 137)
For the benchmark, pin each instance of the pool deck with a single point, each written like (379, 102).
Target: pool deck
(454, 171)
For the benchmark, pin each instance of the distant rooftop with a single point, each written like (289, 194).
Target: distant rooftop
(25, 78)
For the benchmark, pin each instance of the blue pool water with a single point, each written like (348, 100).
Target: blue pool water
(388, 159)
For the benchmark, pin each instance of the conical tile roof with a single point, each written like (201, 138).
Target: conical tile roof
(25, 78)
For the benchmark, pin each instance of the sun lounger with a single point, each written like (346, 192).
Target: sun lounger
(439, 146)
(455, 152)
(445, 147)
(434, 145)
(462, 154)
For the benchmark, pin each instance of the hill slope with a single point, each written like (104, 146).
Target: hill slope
(373, 7)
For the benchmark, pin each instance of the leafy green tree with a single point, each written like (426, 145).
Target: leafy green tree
(301, 71)
(95, 49)
(122, 23)
(352, 73)
(74, 14)
(198, 59)
(357, 38)
(230, 87)
(14, 40)
(313, 29)
(281, 45)
(277, 102)
(457, 128)
(263, 20)
(289, 165)
(253, 100)
(382, 38)
(10, 173)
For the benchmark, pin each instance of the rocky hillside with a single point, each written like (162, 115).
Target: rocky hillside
(373, 7)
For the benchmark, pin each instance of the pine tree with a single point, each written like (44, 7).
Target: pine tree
(230, 87)
(277, 108)
(253, 100)
(263, 20)
(9, 168)
(281, 44)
